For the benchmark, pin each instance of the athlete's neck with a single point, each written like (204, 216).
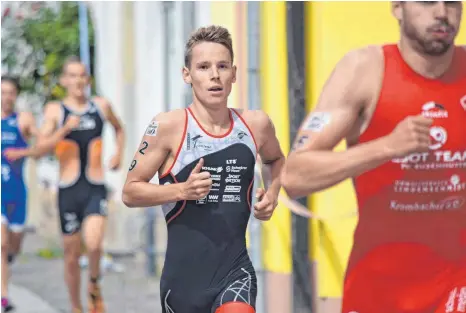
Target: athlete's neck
(216, 121)
(6, 113)
(75, 102)
(431, 67)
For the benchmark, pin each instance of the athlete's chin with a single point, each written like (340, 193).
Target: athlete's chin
(78, 93)
(215, 102)
(437, 47)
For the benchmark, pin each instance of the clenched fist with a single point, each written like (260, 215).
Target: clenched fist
(411, 135)
(265, 205)
(72, 122)
(198, 184)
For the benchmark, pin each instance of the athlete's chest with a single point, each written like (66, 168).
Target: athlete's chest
(11, 133)
(90, 126)
(230, 159)
(446, 106)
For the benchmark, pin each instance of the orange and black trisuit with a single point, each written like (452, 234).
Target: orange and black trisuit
(81, 190)
(207, 268)
(409, 253)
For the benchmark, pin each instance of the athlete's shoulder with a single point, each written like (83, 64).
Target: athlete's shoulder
(168, 125)
(25, 117)
(52, 108)
(171, 118)
(254, 117)
(462, 49)
(102, 102)
(258, 122)
(362, 59)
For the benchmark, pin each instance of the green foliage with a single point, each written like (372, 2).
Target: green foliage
(49, 37)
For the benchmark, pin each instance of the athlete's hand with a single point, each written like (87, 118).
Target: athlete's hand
(198, 184)
(265, 205)
(115, 162)
(72, 122)
(409, 136)
(13, 154)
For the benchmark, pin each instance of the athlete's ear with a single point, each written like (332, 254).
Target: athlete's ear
(234, 74)
(397, 9)
(186, 75)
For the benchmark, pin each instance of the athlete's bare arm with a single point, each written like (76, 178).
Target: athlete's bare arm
(312, 165)
(28, 129)
(272, 159)
(158, 146)
(352, 88)
(269, 148)
(106, 108)
(49, 135)
(27, 125)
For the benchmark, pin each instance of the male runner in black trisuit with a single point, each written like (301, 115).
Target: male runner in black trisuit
(73, 127)
(205, 157)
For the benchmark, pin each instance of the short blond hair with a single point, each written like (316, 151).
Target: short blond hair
(213, 33)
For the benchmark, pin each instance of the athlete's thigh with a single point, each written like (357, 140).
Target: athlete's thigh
(4, 235)
(97, 203)
(94, 231)
(70, 210)
(238, 297)
(95, 215)
(15, 240)
(17, 218)
(4, 212)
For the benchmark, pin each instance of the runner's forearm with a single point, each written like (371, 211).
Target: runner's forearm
(142, 194)
(46, 144)
(311, 171)
(120, 140)
(271, 175)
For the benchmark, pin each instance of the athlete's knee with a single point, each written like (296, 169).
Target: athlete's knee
(235, 307)
(94, 249)
(94, 228)
(5, 244)
(72, 250)
(5, 248)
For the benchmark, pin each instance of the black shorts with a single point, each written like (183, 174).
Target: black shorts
(77, 202)
(240, 286)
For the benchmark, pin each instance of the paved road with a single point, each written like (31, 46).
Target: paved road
(37, 285)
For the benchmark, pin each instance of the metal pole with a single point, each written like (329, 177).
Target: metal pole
(84, 39)
(302, 293)
(255, 229)
(168, 32)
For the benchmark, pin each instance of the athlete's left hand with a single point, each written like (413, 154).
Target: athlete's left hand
(13, 154)
(115, 162)
(265, 205)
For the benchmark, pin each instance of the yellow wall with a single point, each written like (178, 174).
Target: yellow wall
(274, 97)
(461, 40)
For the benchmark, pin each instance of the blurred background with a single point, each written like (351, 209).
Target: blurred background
(284, 52)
